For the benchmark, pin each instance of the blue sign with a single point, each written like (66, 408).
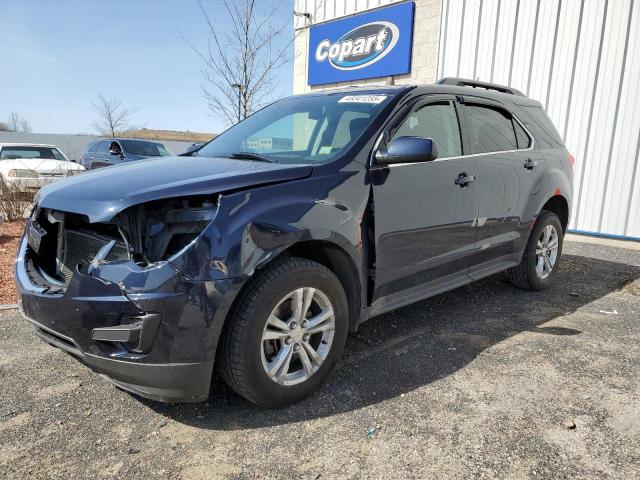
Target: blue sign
(373, 44)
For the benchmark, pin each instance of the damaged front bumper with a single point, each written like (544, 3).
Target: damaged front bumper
(150, 331)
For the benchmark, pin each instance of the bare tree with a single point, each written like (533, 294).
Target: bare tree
(239, 66)
(4, 127)
(14, 122)
(24, 126)
(17, 124)
(113, 118)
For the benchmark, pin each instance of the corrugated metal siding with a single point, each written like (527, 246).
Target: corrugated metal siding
(325, 10)
(580, 60)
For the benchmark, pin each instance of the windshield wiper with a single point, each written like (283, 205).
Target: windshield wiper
(252, 156)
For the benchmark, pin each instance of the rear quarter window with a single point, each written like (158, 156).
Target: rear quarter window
(541, 123)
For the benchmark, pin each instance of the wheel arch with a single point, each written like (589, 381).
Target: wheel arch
(326, 253)
(559, 205)
(336, 259)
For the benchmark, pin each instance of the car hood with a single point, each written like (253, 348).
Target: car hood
(102, 194)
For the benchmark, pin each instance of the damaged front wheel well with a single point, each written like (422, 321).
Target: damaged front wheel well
(340, 263)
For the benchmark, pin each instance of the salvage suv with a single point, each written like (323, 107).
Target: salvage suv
(260, 251)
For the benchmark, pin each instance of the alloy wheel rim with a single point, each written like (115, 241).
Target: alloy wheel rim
(297, 336)
(547, 251)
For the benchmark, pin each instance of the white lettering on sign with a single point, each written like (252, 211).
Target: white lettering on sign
(359, 47)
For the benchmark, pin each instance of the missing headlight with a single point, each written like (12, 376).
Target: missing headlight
(158, 230)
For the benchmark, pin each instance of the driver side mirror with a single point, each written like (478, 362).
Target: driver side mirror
(116, 152)
(408, 150)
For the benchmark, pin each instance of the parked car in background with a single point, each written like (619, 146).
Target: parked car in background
(114, 151)
(27, 167)
(261, 251)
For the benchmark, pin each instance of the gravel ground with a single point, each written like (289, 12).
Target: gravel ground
(483, 382)
(10, 234)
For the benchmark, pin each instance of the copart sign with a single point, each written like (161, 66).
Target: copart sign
(372, 44)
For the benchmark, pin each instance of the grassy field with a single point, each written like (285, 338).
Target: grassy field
(173, 135)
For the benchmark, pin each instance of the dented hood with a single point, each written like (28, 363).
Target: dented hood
(101, 194)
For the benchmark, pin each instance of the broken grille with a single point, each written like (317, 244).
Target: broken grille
(80, 248)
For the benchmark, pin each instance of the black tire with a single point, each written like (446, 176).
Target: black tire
(240, 360)
(524, 275)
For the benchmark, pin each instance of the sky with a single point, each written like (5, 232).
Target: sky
(57, 56)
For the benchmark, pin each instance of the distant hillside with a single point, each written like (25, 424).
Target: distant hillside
(172, 135)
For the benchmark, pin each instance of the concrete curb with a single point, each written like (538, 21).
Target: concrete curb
(9, 306)
(609, 242)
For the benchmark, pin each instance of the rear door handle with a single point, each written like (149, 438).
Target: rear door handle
(464, 179)
(529, 164)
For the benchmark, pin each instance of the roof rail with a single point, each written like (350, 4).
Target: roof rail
(465, 82)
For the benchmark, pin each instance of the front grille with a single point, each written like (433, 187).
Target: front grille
(80, 248)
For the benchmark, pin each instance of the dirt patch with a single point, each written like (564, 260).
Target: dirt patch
(633, 288)
(10, 234)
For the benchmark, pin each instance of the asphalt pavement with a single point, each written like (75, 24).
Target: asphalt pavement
(486, 381)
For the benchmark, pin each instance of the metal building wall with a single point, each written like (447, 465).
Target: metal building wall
(324, 10)
(581, 60)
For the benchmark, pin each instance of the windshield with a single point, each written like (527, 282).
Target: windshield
(145, 149)
(31, 152)
(301, 129)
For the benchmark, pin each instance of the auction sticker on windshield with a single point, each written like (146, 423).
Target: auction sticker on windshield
(375, 99)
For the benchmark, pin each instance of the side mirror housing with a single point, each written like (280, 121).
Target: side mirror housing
(191, 148)
(115, 152)
(408, 150)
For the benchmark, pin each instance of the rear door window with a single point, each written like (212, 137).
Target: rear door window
(490, 129)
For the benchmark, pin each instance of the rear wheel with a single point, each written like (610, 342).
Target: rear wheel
(541, 256)
(287, 333)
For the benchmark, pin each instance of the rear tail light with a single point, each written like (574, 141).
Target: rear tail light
(572, 161)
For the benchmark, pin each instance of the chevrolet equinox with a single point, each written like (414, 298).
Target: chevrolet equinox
(259, 251)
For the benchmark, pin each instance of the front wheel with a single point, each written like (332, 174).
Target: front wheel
(541, 256)
(287, 333)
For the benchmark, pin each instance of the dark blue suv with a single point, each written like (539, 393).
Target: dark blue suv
(113, 151)
(260, 250)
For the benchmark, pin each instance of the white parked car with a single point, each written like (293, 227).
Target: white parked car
(28, 167)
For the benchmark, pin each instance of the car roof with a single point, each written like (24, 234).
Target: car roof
(435, 88)
(366, 89)
(480, 92)
(28, 145)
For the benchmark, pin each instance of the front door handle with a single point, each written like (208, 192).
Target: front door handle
(464, 179)
(529, 164)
